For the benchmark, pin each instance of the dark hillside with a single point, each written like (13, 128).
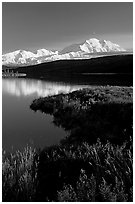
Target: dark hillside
(109, 64)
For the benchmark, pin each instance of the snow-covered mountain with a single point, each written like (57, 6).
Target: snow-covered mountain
(88, 49)
(22, 57)
(93, 45)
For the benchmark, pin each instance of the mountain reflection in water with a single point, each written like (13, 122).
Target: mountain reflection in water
(22, 126)
(39, 88)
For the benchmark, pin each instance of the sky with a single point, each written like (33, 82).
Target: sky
(55, 25)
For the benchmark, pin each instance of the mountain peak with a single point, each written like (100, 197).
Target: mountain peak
(84, 50)
(93, 40)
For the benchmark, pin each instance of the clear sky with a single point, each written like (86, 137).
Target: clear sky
(54, 25)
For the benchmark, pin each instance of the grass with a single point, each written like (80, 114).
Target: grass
(93, 164)
(98, 172)
(19, 175)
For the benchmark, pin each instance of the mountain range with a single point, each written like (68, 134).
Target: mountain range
(89, 49)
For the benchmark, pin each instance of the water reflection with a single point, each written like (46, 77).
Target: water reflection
(26, 87)
(20, 125)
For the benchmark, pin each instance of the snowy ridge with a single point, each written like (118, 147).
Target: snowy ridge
(76, 51)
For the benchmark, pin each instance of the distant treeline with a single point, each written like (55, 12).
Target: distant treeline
(107, 64)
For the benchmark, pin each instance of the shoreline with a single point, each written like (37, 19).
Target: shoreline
(94, 163)
(89, 104)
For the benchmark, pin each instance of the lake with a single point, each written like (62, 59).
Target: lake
(22, 126)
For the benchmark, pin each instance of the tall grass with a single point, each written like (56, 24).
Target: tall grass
(98, 172)
(109, 175)
(19, 175)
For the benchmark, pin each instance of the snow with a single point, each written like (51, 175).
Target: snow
(75, 51)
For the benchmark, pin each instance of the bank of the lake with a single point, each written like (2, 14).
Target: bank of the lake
(26, 127)
(94, 163)
(103, 112)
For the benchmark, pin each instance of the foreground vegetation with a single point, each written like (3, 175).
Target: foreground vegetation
(94, 163)
(88, 114)
(99, 172)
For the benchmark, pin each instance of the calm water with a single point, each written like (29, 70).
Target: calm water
(20, 125)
